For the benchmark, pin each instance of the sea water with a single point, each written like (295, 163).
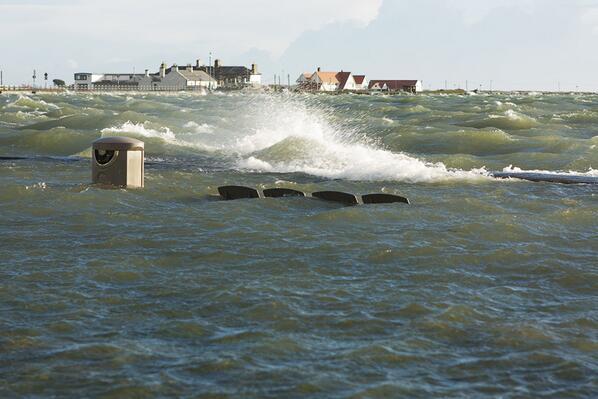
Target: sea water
(479, 288)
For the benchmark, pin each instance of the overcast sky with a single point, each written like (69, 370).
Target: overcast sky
(511, 44)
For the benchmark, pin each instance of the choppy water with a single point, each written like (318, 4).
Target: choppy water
(480, 288)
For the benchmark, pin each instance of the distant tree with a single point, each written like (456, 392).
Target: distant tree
(59, 82)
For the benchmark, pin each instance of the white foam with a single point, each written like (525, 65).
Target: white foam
(589, 173)
(296, 137)
(197, 128)
(163, 134)
(40, 186)
(139, 129)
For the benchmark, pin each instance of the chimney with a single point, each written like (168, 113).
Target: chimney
(198, 63)
(162, 69)
(254, 69)
(147, 72)
(217, 64)
(318, 69)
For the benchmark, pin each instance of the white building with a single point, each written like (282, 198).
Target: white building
(87, 81)
(361, 82)
(174, 78)
(411, 86)
(346, 81)
(178, 78)
(331, 81)
(324, 81)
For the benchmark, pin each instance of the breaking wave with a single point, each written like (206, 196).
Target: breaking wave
(25, 102)
(300, 137)
(139, 130)
(509, 120)
(157, 138)
(589, 173)
(415, 139)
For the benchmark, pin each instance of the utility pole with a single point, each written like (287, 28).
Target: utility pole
(210, 69)
(289, 81)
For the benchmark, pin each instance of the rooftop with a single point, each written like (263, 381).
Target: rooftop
(195, 75)
(393, 84)
(342, 78)
(328, 77)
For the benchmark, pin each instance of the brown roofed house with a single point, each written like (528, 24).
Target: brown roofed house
(411, 86)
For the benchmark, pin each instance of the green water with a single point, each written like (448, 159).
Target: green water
(479, 288)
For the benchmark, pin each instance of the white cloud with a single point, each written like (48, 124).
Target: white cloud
(474, 11)
(240, 24)
(590, 19)
(109, 34)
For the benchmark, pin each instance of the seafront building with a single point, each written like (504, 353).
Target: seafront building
(346, 81)
(411, 86)
(361, 82)
(329, 81)
(174, 78)
(234, 76)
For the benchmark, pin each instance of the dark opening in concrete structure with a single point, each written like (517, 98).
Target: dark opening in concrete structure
(237, 192)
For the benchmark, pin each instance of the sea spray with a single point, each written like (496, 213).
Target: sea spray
(158, 138)
(299, 136)
(347, 137)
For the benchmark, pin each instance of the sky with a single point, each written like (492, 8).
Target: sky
(499, 44)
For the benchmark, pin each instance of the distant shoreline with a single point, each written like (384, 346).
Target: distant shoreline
(269, 89)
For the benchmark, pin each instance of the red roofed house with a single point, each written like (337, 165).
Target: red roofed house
(361, 82)
(411, 86)
(345, 81)
(327, 81)
(324, 81)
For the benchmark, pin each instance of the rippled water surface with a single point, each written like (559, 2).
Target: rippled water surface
(479, 288)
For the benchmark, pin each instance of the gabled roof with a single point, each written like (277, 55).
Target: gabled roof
(342, 78)
(196, 75)
(327, 77)
(359, 79)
